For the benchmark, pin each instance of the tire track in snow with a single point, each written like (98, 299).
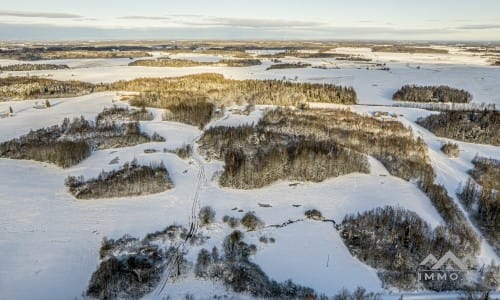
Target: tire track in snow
(193, 229)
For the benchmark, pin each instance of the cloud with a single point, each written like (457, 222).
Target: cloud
(479, 26)
(144, 18)
(49, 15)
(190, 20)
(260, 23)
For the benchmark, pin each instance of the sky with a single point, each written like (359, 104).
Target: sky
(428, 20)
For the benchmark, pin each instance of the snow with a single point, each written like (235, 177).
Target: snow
(455, 56)
(316, 256)
(51, 240)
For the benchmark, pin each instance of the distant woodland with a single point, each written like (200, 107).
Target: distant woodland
(178, 63)
(288, 66)
(408, 49)
(36, 87)
(32, 67)
(47, 53)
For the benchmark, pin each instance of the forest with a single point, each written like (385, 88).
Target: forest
(73, 141)
(440, 93)
(131, 179)
(480, 127)
(31, 67)
(36, 87)
(208, 87)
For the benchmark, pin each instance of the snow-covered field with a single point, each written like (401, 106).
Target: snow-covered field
(49, 241)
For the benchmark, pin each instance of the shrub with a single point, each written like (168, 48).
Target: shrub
(251, 221)
(313, 214)
(129, 275)
(203, 263)
(231, 221)
(206, 215)
(450, 149)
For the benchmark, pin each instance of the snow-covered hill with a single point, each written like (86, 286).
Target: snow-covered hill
(50, 241)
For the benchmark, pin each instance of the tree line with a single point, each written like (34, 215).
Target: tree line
(31, 67)
(179, 63)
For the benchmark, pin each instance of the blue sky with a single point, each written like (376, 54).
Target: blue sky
(256, 19)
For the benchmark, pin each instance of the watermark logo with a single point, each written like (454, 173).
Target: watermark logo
(448, 268)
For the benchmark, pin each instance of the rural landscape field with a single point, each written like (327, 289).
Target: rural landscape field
(246, 168)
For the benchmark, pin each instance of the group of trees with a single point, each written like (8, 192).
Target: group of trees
(73, 141)
(32, 67)
(196, 113)
(130, 268)
(122, 114)
(396, 241)
(36, 87)
(255, 158)
(129, 180)
(480, 195)
(469, 126)
(486, 172)
(432, 94)
(236, 271)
